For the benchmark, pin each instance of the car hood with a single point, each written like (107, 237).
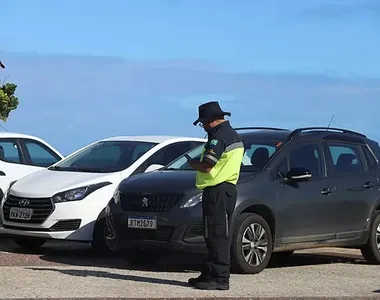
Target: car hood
(46, 183)
(177, 181)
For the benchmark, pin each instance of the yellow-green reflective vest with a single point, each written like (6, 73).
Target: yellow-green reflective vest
(227, 169)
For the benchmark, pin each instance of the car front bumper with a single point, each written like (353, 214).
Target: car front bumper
(71, 221)
(176, 230)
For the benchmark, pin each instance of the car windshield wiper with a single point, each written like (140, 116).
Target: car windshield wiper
(55, 168)
(76, 169)
(81, 169)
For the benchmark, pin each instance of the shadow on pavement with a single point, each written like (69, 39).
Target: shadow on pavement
(103, 274)
(176, 262)
(75, 254)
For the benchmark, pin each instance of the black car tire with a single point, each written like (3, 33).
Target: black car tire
(238, 262)
(30, 244)
(98, 242)
(370, 250)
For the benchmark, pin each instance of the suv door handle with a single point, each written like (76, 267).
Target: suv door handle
(368, 185)
(326, 191)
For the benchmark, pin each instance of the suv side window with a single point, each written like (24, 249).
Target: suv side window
(307, 156)
(167, 154)
(283, 167)
(371, 161)
(40, 155)
(344, 159)
(10, 151)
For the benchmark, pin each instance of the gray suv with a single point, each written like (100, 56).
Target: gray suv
(306, 188)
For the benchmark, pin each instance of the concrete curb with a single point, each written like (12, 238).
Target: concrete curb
(214, 298)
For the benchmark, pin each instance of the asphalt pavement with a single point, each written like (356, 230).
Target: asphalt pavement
(72, 271)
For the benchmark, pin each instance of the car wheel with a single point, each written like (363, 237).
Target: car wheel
(251, 246)
(29, 243)
(98, 242)
(371, 250)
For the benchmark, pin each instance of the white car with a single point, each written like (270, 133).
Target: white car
(67, 201)
(21, 155)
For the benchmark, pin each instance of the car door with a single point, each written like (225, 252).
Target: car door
(304, 213)
(355, 186)
(37, 155)
(20, 157)
(12, 162)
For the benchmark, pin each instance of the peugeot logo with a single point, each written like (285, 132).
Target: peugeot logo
(144, 202)
(24, 202)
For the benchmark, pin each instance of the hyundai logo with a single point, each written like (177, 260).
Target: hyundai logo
(24, 202)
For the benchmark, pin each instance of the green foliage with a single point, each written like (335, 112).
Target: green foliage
(8, 101)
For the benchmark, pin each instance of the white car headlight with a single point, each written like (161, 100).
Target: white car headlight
(116, 196)
(77, 193)
(6, 194)
(192, 201)
(71, 195)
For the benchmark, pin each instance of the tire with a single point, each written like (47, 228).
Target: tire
(370, 250)
(98, 242)
(238, 260)
(30, 244)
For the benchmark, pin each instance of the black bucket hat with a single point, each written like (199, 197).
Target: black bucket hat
(209, 111)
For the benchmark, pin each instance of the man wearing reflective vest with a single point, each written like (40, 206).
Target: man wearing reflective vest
(218, 171)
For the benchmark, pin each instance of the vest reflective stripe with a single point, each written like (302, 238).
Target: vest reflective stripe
(227, 169)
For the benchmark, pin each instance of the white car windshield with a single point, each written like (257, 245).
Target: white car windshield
(104, 157)
(256, 155)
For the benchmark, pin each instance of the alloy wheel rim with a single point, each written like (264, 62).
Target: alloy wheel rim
(378, 237)
(255, 244)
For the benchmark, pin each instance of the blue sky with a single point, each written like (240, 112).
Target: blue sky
(87, 69)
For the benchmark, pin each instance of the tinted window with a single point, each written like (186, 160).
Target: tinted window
(167, 154)
(40, 155)
(257, 154)
(105, 156)
(170, 153)
(181, 162)
(283, 167)
(9, 151)
(371, 161)
(345, 159)
(308, 157)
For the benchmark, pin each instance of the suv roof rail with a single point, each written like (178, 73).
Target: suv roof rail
(258, 128)
(299, 130)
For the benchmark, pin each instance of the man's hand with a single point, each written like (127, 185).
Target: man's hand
(203, 166)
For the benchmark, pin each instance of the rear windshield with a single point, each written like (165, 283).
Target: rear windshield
(256, 155)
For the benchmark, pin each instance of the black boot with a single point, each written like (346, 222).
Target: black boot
(200, 278)
(212, 285)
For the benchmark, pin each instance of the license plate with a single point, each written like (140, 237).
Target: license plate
(144, 222)
(18, 213)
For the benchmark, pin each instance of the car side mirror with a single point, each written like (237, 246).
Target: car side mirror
(298, 174)
(153, 167)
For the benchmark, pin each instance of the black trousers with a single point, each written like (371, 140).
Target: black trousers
(218, 203)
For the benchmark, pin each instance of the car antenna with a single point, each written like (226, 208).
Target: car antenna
(328, 126)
